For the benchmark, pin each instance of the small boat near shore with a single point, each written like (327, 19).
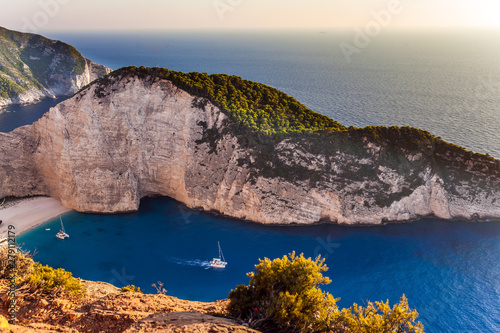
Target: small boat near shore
(62, 233)
(218, 262)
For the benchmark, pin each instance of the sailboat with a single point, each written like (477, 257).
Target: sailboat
(62, 233)
(218, 262)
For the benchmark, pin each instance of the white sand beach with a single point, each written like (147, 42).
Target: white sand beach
(28, 213)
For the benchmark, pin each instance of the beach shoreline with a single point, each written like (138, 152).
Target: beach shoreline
(28, 213)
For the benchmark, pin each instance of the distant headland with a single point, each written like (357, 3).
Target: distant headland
(33, 67)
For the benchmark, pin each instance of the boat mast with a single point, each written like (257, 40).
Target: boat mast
(220, 252)
(62, 226)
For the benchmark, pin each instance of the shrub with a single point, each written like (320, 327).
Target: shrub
(159, 288)
(284, 293)
(23, 263)
(131, 288)
(35, 275)
(48, 278)
(378, 317)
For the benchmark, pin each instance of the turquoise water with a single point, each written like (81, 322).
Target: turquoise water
(450, 271)
(448, 84)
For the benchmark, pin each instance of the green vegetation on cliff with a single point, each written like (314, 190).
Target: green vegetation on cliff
(283, 295)
(254, 107)
(9, 88)
(263, 114)
(275, 127)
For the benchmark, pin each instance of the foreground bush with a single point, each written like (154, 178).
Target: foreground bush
(23, 263)
(284, 294)
(285, 291)
(30, 274)
(48, 278)
(378, 317)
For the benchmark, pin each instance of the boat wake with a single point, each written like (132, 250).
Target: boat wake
(195, 262)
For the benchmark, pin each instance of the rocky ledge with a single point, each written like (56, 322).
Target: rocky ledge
(107, 309)
(135, 134)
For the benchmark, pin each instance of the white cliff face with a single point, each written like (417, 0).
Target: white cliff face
(103, 154)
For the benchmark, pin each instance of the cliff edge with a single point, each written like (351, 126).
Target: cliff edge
(139, 132)
(107, 309)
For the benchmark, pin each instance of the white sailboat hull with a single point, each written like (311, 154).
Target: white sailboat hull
(62, 233)
(217, 263)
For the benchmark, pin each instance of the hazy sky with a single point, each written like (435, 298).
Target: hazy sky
(43, 15)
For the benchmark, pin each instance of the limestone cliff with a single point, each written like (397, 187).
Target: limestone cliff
(131, 136)
(33, 67)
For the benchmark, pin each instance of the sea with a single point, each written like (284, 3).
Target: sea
(445, 82)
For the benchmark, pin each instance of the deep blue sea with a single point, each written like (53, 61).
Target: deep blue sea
(450, 271)
(447, 83)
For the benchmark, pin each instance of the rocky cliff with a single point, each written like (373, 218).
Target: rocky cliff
(33, 67)
(106, 309)
(136, 134)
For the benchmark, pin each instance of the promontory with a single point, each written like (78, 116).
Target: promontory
(239, 148)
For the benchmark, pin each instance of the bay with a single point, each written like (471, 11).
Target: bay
(447, 83)
(449, 270)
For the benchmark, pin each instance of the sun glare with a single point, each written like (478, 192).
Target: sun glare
(490, 13)
(483, 13)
